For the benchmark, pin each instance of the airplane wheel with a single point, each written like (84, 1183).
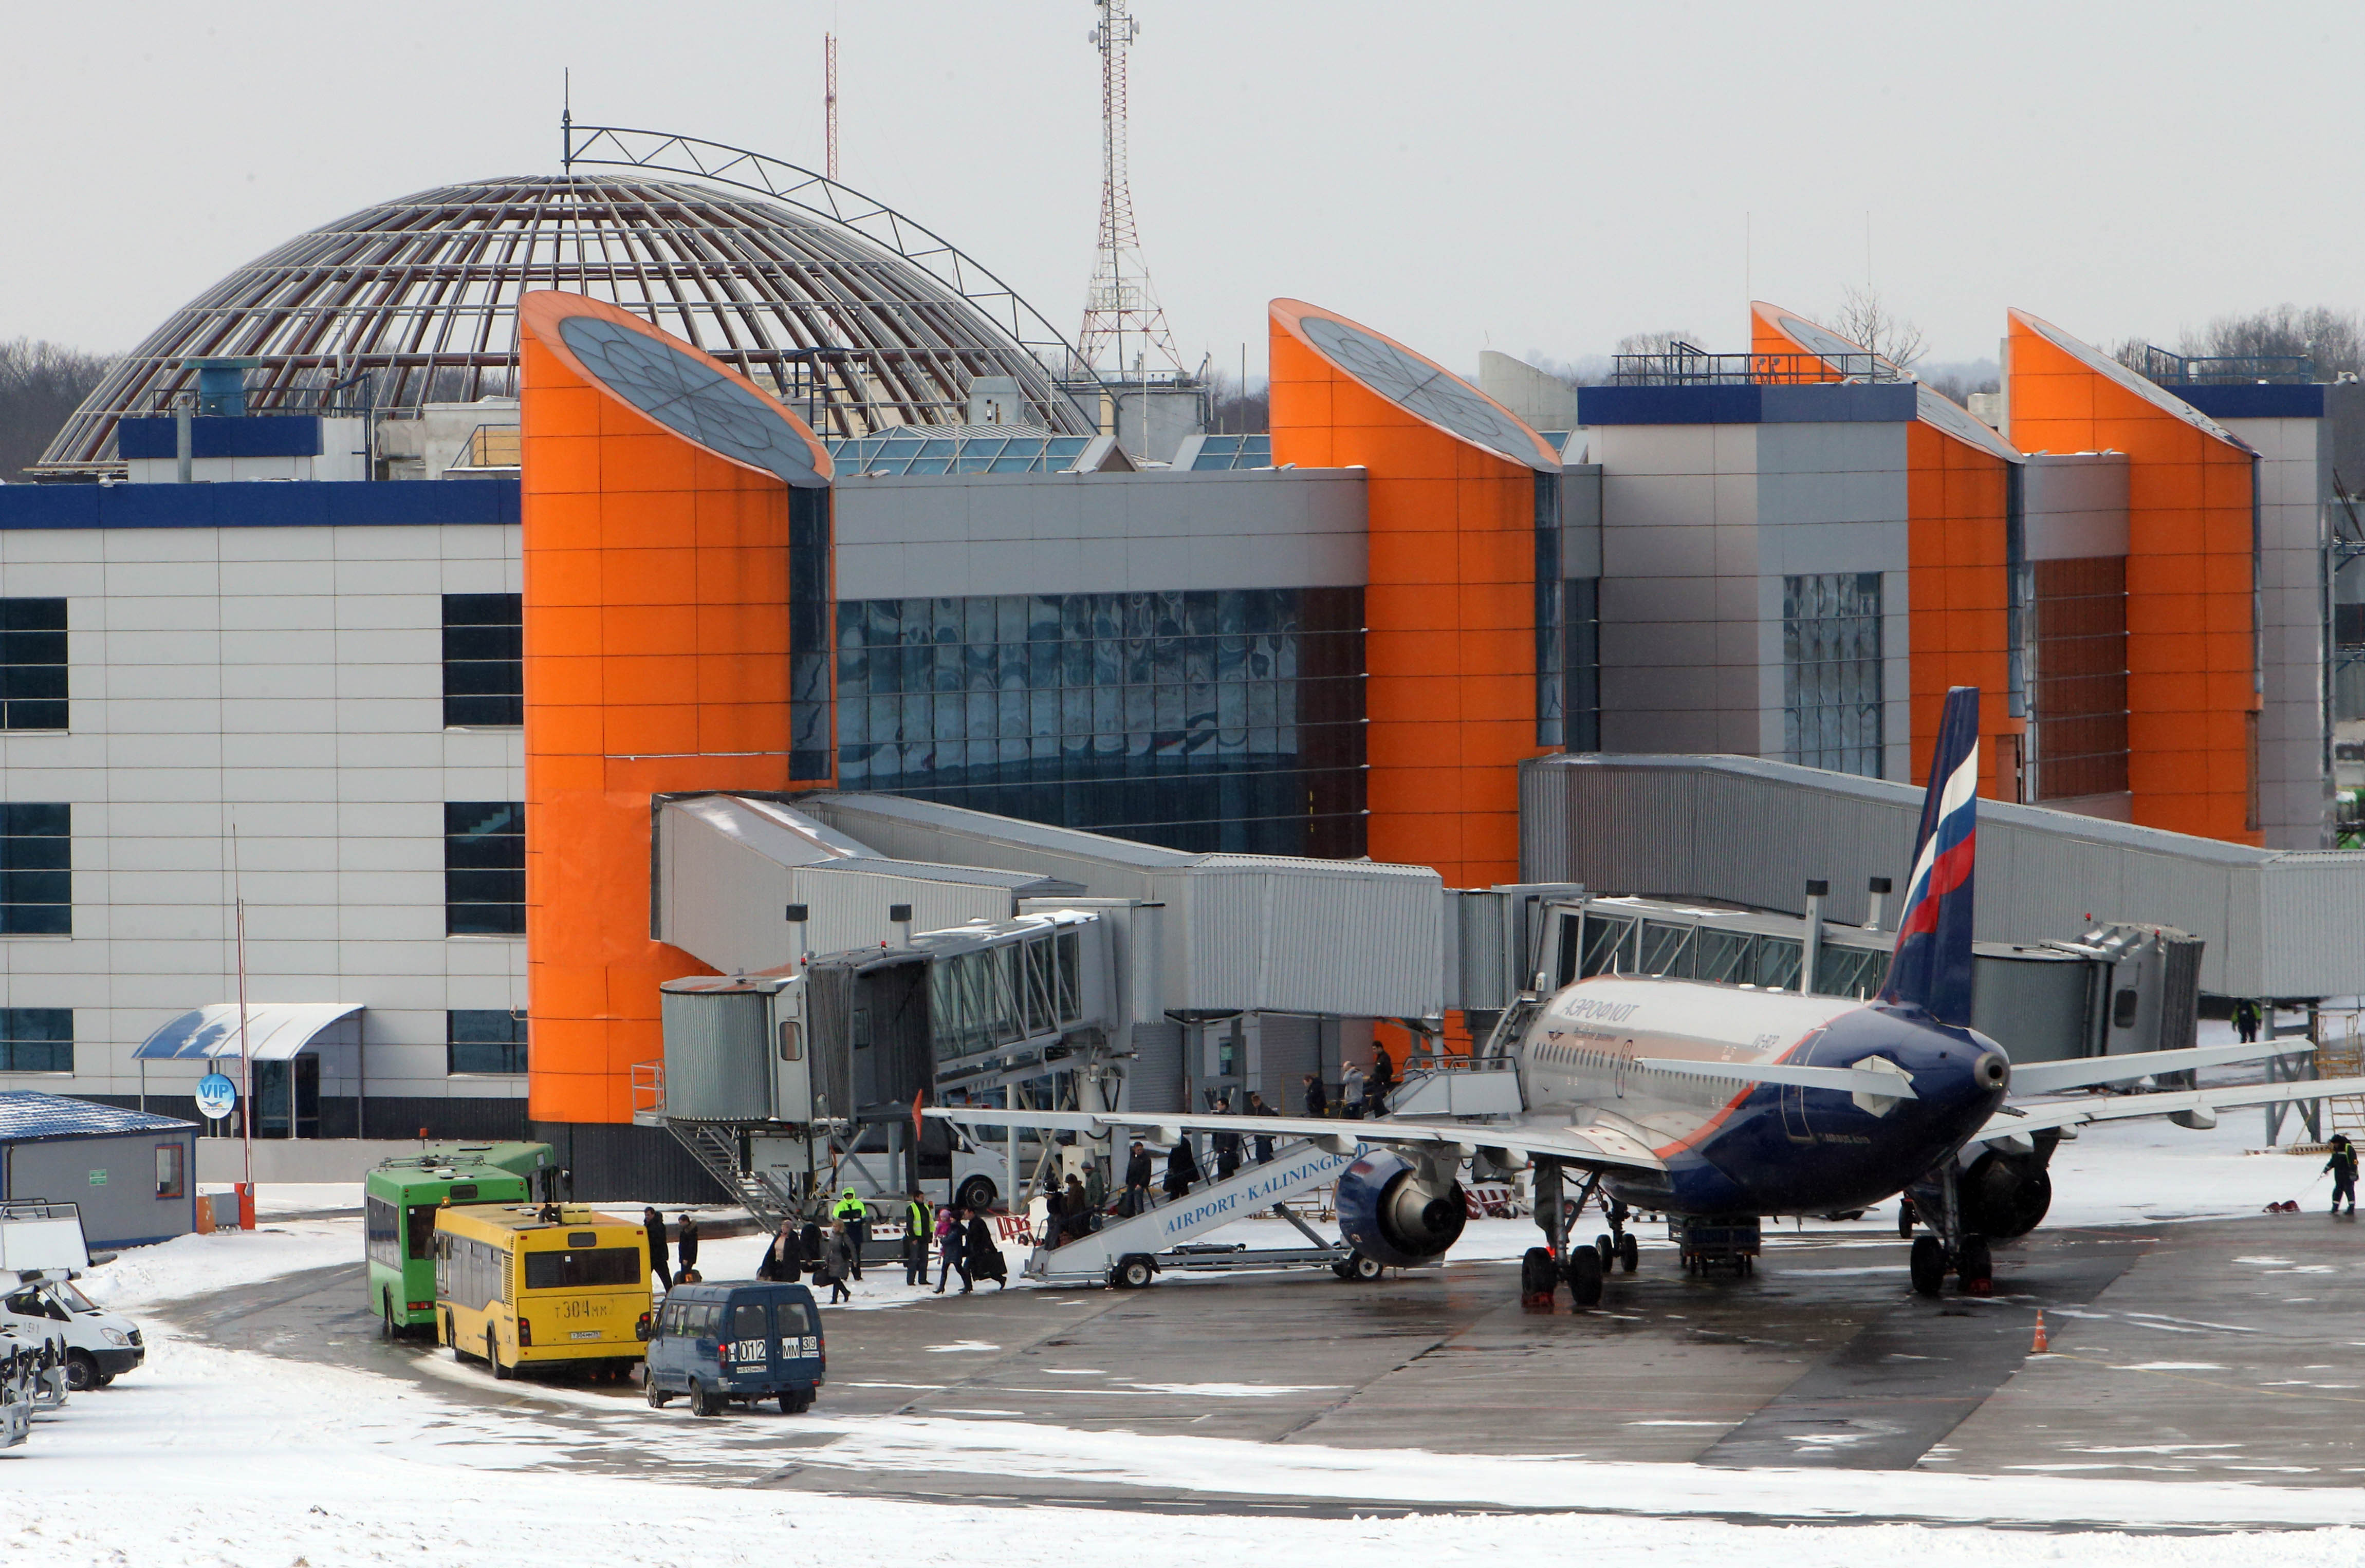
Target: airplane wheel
(1585, 1277)
(1974, 1264)
(1608, 1249)
(1629, 1253)
(1537, 1275)
(1904, 1218)
(1928, 1265)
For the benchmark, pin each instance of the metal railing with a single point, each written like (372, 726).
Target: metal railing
(1681, 364)
(2204, 370)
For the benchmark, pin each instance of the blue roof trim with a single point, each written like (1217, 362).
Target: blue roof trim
(2251, 400)
(262, 435)
(28, 1115)
(1883, 402)
(1668, 405)
(301, 503)
(1888, 402)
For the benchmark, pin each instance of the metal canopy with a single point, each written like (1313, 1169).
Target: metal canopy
(275, 1031)
(842, 307)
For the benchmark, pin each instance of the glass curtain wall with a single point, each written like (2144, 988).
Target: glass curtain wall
(1832, 671)
(1218, 720)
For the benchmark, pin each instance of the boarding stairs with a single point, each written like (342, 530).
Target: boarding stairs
(715, 1147)
(1166, 1236)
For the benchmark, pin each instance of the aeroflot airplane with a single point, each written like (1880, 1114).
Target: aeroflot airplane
(1716, 1104)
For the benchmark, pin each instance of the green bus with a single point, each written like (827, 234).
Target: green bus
(398, 1204)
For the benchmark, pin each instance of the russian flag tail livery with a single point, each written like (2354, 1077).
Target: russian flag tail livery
(1931, 968)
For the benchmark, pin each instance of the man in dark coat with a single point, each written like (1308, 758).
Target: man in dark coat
(1181, 1168)
(984, 1256)
(1137, 1173)
(1228, 1149)
(1257, 1108)
(780, 1262)
(1317, 1103)
(686, 1241)
(1384, 1075)
(655, 1221)
(2343, 1166)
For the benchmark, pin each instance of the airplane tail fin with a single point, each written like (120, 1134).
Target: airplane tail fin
(1931, 966)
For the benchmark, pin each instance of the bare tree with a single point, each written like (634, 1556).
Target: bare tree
(2333, 338)
(41, 384)
(1657, 344)
(1864, 318)
(1233, 408)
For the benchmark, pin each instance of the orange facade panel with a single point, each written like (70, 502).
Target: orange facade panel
(1451, 490)
(657, 633)
(2192, 661)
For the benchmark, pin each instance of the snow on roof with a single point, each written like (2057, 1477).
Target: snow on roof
(28, 1115)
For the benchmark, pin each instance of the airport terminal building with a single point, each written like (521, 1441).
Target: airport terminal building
(373, 612)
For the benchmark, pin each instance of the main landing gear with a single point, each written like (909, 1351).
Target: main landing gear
(1945, 1249)
(1583, 1269)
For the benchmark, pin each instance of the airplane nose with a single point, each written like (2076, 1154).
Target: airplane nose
(1992, 1070)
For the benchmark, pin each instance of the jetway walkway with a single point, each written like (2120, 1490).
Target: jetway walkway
(1132, 1251)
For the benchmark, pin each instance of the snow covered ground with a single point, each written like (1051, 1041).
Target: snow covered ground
(215, 1456)
(212, 1456)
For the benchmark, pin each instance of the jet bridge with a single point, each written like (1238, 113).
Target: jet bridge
(775, 1080)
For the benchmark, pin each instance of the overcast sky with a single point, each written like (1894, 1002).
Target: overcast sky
(1536, 178)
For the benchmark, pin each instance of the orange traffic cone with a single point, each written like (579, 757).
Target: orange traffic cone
(2037, 1348)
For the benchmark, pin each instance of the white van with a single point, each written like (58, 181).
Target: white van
(99, 1346)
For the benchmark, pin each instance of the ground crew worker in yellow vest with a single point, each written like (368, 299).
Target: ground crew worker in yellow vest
(919, 1220)
(857, 1225)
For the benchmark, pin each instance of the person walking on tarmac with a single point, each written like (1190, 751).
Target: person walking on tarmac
(687, 1242)
(655, 1224)
(919, 1221)
(2343, 1166)
(2246, 1020)
(952, 1245)
(984, 1257)
(1137, 1173)
(850, 1213)
(843, 1256)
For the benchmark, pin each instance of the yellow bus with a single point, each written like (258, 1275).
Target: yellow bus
(527, 1286)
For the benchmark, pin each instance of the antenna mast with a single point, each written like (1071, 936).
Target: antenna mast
(829, 102)
(1121, 310)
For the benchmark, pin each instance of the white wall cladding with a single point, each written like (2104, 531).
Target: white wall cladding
(2294, 476)
(1753, 832)
(938, 535)
(288, 682)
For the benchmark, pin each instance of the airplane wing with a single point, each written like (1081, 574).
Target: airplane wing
(1892, 1085)
(2047, 1077)
(2128, 1107)
(1595, 1147)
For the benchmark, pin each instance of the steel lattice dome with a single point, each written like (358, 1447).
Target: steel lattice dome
(418, 296)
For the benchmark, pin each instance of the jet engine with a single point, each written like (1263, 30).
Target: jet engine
(2004, 1194)
(1400, 1212)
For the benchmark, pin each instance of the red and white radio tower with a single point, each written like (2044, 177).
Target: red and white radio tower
(1122, 317)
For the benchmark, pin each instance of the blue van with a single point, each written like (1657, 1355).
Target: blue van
(735, 1340)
